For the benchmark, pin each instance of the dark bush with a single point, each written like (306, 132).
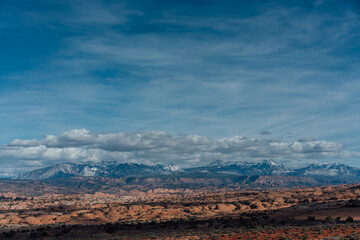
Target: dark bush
(34, 235)
(109, 228)
(10, 234)
(311, 218)
(251, 225)
(329, 219)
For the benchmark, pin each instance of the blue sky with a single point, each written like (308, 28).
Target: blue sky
(216, 69)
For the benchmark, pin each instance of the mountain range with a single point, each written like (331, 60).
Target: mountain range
(218, 169)
(98, 169)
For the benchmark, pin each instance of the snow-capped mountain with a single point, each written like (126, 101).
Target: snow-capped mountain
(328, 170)
(98, 169)
(266, 167)
(63, 170)
(172, 168)
(218, 168)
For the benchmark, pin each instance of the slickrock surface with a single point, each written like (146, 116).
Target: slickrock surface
(164, 205)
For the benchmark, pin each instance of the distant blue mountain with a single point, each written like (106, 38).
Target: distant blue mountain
(218, 168)
(98, 169)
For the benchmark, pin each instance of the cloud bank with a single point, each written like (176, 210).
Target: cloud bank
(158, 147)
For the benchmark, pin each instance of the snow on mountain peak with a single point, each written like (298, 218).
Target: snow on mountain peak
(89, 171)
(272, 163)
(173, 168)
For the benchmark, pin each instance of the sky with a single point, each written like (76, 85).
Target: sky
(186, 82)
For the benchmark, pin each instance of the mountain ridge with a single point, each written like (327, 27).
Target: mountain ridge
(216, 168)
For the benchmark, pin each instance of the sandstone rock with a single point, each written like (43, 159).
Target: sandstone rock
(225, 207)
(13, 219)
(32, 220)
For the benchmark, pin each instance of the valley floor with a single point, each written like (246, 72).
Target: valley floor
(310, 213)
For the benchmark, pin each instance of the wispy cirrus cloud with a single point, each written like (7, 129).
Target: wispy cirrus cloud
(216, 69)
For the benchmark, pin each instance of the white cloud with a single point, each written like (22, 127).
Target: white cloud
(161, 147)
(21, 142)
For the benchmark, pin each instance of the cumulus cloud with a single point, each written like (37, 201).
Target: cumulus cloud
(21, 142)
(155, 147)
